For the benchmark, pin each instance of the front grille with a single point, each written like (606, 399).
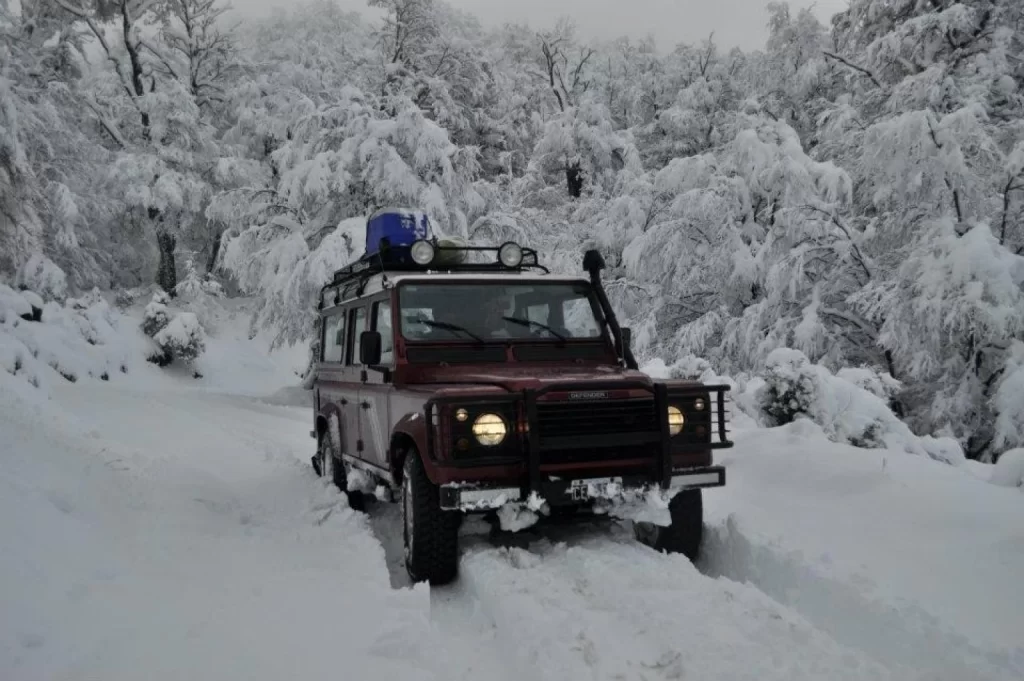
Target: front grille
(599, 417)
(596, 455)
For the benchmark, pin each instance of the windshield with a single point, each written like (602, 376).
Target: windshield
(487, 311)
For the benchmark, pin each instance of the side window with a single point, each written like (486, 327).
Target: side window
(382, 323)
(358, 325)
(334, 338)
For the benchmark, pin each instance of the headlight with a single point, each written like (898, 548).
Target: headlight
(676, 420)
(489, 429)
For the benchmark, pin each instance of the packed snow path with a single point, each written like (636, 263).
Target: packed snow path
(183, 533)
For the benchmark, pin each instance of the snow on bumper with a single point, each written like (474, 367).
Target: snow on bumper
(472, 497)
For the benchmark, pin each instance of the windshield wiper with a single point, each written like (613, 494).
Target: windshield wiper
(530, 322)
(448, 326)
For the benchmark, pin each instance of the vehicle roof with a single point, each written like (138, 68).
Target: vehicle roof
(477, 276)
(377, 283)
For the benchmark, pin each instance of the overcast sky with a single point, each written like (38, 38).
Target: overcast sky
(735, 22)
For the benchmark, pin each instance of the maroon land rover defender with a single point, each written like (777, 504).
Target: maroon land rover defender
(466, 378)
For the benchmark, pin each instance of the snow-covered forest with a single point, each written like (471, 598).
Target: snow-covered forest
(853, 191)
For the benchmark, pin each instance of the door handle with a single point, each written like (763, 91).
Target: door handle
(365, 405)
(343, 401)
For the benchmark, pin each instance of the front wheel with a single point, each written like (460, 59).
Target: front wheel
(686, 532)
(430, 535)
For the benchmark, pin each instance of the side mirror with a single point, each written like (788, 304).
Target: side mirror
(369, 348)
(627, 339)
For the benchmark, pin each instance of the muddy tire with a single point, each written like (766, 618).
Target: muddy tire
(430, 536)
(686, 532)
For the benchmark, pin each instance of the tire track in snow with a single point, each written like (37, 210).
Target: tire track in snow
(613, 609)
(905, 638)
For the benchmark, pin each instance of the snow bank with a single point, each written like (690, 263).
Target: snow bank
(183, 533)
(80, 339)
(899, 556)
(88, 339)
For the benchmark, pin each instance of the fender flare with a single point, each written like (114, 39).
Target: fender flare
(410, 428)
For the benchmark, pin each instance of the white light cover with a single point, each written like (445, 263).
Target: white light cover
(510, 255)
(422, 252)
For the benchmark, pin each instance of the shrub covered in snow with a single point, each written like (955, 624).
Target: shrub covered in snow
(13, 305)
(791, 387)
(795, 388)
(944, 448)
(156, 317)
(180, 336)
(202, 295)
(82, 338)
(42, 275)
(878, 384)
(1009, 469)
(183, 337)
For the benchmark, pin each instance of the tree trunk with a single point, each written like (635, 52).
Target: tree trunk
(574, 180)
(212, 262)
(167, 273)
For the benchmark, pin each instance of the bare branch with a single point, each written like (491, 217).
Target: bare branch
(158, 55)
(111, 129)
(860, 69)
(85, 16)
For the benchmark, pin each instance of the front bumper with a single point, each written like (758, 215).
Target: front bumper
(476, 497)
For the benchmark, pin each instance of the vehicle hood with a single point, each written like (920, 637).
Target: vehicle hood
(517, 378)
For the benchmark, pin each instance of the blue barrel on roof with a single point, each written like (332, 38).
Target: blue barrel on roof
(400, 226)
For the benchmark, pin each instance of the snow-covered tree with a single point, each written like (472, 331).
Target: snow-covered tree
(854, 194)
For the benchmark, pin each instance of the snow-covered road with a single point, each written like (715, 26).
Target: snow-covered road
(180, 533)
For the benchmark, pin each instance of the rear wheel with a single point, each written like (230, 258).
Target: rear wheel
(331, 468)
(430, 535)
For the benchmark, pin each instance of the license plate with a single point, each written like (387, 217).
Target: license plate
(581, 489)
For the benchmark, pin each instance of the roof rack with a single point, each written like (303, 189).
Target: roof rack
(446, 259)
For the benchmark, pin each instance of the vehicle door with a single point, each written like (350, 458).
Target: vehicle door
(355, 316)
(334, 386)
(376, 388)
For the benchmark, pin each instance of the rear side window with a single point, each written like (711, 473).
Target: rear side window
(334, 338)
(382, 324)
(358, 326)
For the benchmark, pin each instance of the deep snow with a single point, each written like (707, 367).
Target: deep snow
(165, 527)
(179, 536)
(917, 562)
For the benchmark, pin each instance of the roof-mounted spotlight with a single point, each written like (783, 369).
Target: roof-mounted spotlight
(510, 254)
(422, 252)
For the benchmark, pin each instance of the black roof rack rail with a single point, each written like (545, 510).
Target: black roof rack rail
(399, 259)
